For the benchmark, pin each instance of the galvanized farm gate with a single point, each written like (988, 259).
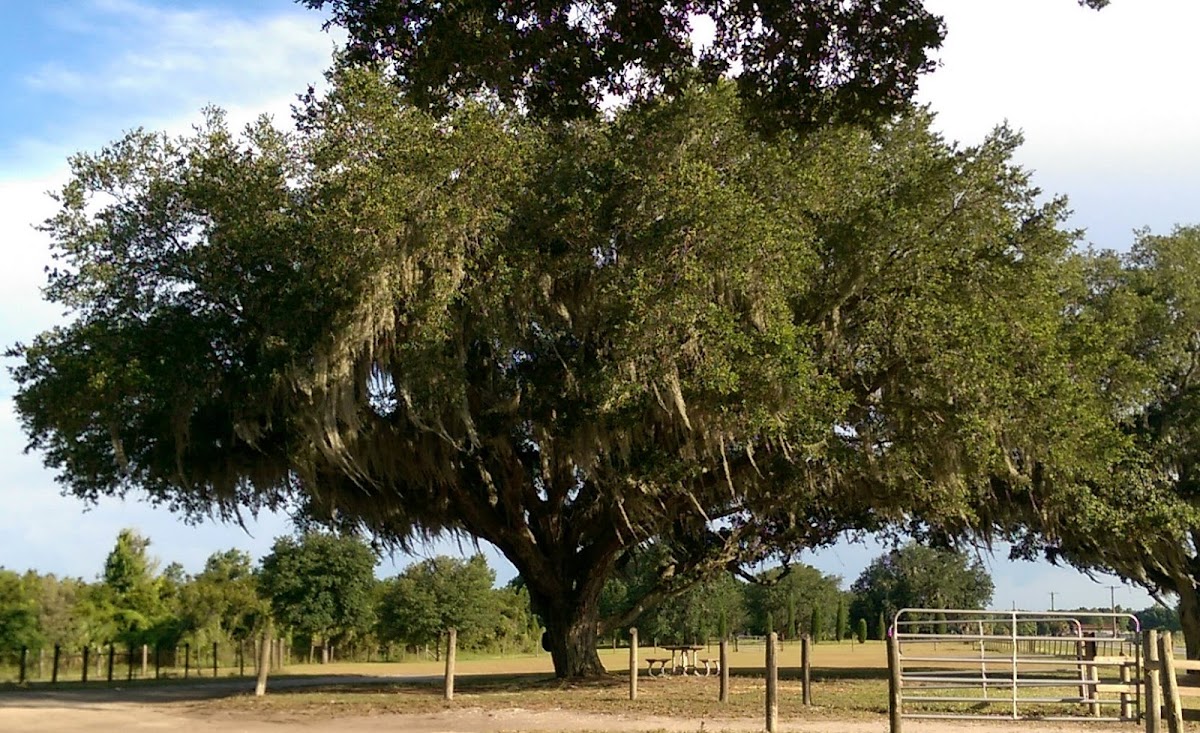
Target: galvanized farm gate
(1014, 665)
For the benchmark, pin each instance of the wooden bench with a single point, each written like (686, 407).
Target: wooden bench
(711, 666)
(662, 663)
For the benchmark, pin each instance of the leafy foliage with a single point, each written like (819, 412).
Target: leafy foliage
(914, 576)
(798, 64)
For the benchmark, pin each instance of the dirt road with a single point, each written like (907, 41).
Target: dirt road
(182, 708)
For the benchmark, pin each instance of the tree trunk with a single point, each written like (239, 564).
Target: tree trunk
(1189, 618)
(571, 635)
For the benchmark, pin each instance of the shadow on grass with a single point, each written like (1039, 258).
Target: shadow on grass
(77, 694)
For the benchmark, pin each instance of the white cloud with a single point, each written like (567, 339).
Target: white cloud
(171, 56)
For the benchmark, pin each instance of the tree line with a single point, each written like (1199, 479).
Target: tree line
(733, 318)
(321, 591)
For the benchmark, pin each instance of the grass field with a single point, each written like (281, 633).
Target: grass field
(849, 682)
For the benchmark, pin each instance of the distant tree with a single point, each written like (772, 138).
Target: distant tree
(915, 576)
(816, 624)
(222, 601)
(431, 596)
(792, 622)
(321, 585)
(881, 628)
(18, 613)
(131, 602)
(1160, 617)
(58, 603)
(862, 630)
(802, 585)
(843, 620)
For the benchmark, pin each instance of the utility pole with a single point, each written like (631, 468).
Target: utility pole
(1052, 594)
(1112, 606)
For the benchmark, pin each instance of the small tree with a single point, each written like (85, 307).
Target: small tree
(862, 630)
(816, 625)
(790, 630)
(882, 628)
(321, 585)
(843, 620)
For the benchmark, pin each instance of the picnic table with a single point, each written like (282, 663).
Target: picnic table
(686, 655)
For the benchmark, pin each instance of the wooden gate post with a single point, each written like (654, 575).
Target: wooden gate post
(54, 668)
(86, 652)
(451, 649)
(1170, 685)
(1126, 698)
(112, 653)
(633, 662)
(24, 661)
(772, 683)
(1153, 707)
(894, 700)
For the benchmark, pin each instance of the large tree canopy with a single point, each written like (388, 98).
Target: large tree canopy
(797, 63)
(564, 340)
(1136, 327)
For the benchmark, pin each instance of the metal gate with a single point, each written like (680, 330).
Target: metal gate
(1018, 665)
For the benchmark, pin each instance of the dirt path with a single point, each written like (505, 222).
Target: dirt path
(186, 707)
(77, 714)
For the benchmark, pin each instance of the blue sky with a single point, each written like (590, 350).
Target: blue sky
(1106, 101)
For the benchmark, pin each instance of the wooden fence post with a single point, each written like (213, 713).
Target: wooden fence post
(24, 660)
(723, 662)
(806, 669)
(129, 662)
(241, 660)
(112, 653)
(895, 702)
(451, 649)
(86, 652)
(772, 683)
(145, 658)
(264, 662)
(54, 668)
(633, 662)
(187, 659)
(1170, 685)
(1153, 711)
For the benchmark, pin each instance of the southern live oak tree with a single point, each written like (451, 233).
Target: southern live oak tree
(564, 339)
